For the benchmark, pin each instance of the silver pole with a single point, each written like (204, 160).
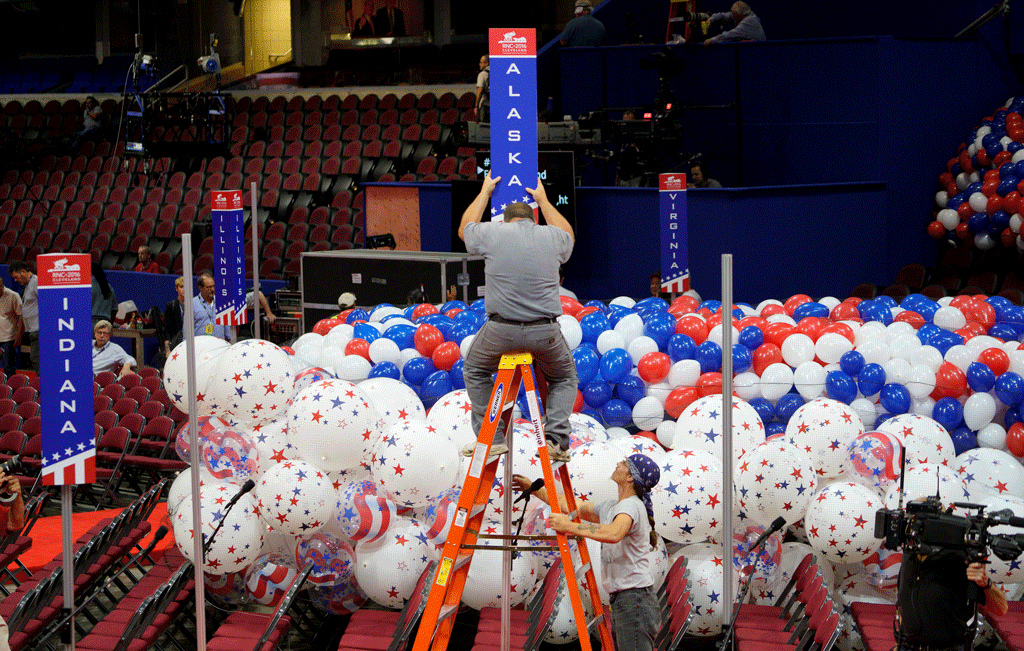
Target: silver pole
(728, 593)
(255, 268)
(189, 330)
(68, 545)
(506, 554)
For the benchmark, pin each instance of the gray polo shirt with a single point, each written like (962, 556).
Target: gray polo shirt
(521, 266)
(30, 305)
(627, 563)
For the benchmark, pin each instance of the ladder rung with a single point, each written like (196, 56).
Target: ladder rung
(594, 622)
(447, 610)
(581, 570)
(461, 560)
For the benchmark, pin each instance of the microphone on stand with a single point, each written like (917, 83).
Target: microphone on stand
(777, 524)
(246, 487)
(730, 639)
(525, 495)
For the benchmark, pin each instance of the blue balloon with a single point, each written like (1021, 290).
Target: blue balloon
(596, 394)
(437, 384)
(1001, 218)
(742, 358)
(787, 406)
(615, 365)
(479, 306)
(616, 312)
(1010, 389)
(888, 301)
(599, 305)
(963, 440)
(593, 325)
(651, 302)
(631, 389)
(391, 317)
(811, 308)
(871, 379)
(593, 413)
(458, 381)
(1005, 331)
(949, 413)
(840, 386)
(459, 331)
(709, 355)
(417, 369)
(453, 305)
(895, 398)
(881, 419)
(402, 334)
(616, 413)
(357, 314)
(980, 377)
(660, 326)
(851, 362)
(1012, 417)
(751, 337)
(587, 362)
(366, 332)
(378, 306)
(681, 347)
(774, 429)
(978, 222)
(386, 369)
(764, 408)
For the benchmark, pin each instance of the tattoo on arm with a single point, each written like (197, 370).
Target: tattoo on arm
(589, 527)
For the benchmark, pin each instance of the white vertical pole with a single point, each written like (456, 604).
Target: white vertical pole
(506, 554)
(728, 593)
(255, 267)
(189, 330)
(68, 544)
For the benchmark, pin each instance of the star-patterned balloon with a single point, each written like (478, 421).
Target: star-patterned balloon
(483, 587)
(333, 559)
(705, 563)
(296, 497)
(990, 472)
(766, 591)
(857, 588)
(924, 439)
(208, 350)
(636, 444)
(590, 468)
(923, 480)
(688, 498)
(387, 569)
(363, 512)
(440, 514)
(340, 599)
(452, 414)
(271, 440)
(332, 425)
(563, 620)
(206, 426)
(269, 577)
(308, 376)
(823, 429)
(1000, 571)
(873, 458)
(414, 462)
(699, 427)
(240, 537)
(840, 521)
(585, 430)
(181, 487)
(765, 559)
(882, 569)
(775, 479)
(393, 401)
(253, 379)
(230, 454)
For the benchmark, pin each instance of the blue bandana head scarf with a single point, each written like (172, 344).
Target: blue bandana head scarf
(645, 475)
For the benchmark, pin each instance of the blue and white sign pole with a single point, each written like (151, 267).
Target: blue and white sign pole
(513, 57)
(675, 265)
(65, 391)
(229, 257)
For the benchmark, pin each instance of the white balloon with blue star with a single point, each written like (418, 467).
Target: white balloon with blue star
(823, 429)
(414, 462)
(590, 470)
(988, 472)
(775, 479)
(923, 438)
(332, 425)
(1000, 571)
(840, 521)
(388, 568)
(296, 497)
(705, 563)
(237, 543)
(208, 350)
(483, 587)
(699, 427)
(925, 480)
(271, 439)
(393, 401)
(453, 415)
(253, 380)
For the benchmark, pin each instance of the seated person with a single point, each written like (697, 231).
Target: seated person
(699, 177)
(107, 356)
(146, 262)
(740, 23)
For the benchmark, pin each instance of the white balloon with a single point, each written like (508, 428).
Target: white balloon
(640, 347)
(831, 346)
(330, 356)
(715, 334)
(979, 410)
(866, 410)
(747, 385)
(765, 303)
(464, 346)
(941, 199)
(874, 351)
(962, 181)
(960, 357)
(629, 327)
(659, 390)
(984, 241)
(923, 407)
(830, 302)
(383, 349)
(648, 413)
(983, 342)
(809, 379)
(571, 331)
(624, 301)
(684, 373)
(897, 370)
(776, 381)
(926, 356)
(978, 201)
(781, 318)
(870, 331)
(310, 338)
(610, 339)
(797, 349)
(339, 335)
(992, 436)
(921, 382)
(666, 432)
(382, 311)
(353, 368)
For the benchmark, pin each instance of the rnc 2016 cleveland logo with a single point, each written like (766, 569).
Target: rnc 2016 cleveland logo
(513, 42)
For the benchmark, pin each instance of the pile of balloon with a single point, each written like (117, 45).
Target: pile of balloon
(353, 436)
(980, 200)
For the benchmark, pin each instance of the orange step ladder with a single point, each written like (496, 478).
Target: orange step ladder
(446, 592)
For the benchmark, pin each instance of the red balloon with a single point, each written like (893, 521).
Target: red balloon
(654, 367)
(570, 305)
(679, 399)
(965, 211)
(427, 338)
(966, 333)
(984, 161)
(323, 326)
(709, 383)
(423, 309)
(577, 405)
(452, 312)
(994, 203)
(585, 311)
(913, 318)
(811, 326)
(764, 356)
(288, 349)
(988, 188)
(1001, 157)
(985, 314)
(795, 301)
(1015, 439)
(964, 233)
(844, 312)
(996, 359)
(937, 230)
(755, 321)
(950, 382)
(1011, 202)
(772, 308)
(446, 354)
(688, 303)
(776, 333)
(960, 302)
(693, 326)
(1008, 237)
(359, 347)
(990, 176)
(842, 329)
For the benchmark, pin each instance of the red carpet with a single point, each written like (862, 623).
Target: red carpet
(46, 535)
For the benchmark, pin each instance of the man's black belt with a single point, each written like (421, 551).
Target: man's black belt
(500, 319)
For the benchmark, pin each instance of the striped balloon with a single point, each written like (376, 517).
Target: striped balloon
(364, 513)
(269, 577)
(440, 515)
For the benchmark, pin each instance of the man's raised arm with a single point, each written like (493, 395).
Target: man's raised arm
(475, 211)
(551, 214)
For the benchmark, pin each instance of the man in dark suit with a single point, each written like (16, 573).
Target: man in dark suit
(174, 317)
(389, 20)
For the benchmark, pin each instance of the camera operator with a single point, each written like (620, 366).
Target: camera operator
(937, 595)
(746, 25)
(14, 518)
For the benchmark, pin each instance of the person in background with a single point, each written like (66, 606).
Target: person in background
(483, 90)
(28, 330)
(346, 301)
(104, 299)
(699, 177)
(389, 20)
(584, 30)
(92, 122)
(146, 263)
(746, 25)
(204, 308)
(107, 356)
(10, 318)
(363, 27)
(625, 529)
(174, 317)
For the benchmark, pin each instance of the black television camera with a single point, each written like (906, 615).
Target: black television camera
(925, 527)
(10, 467)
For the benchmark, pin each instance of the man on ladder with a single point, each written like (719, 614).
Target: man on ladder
(521, 269)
